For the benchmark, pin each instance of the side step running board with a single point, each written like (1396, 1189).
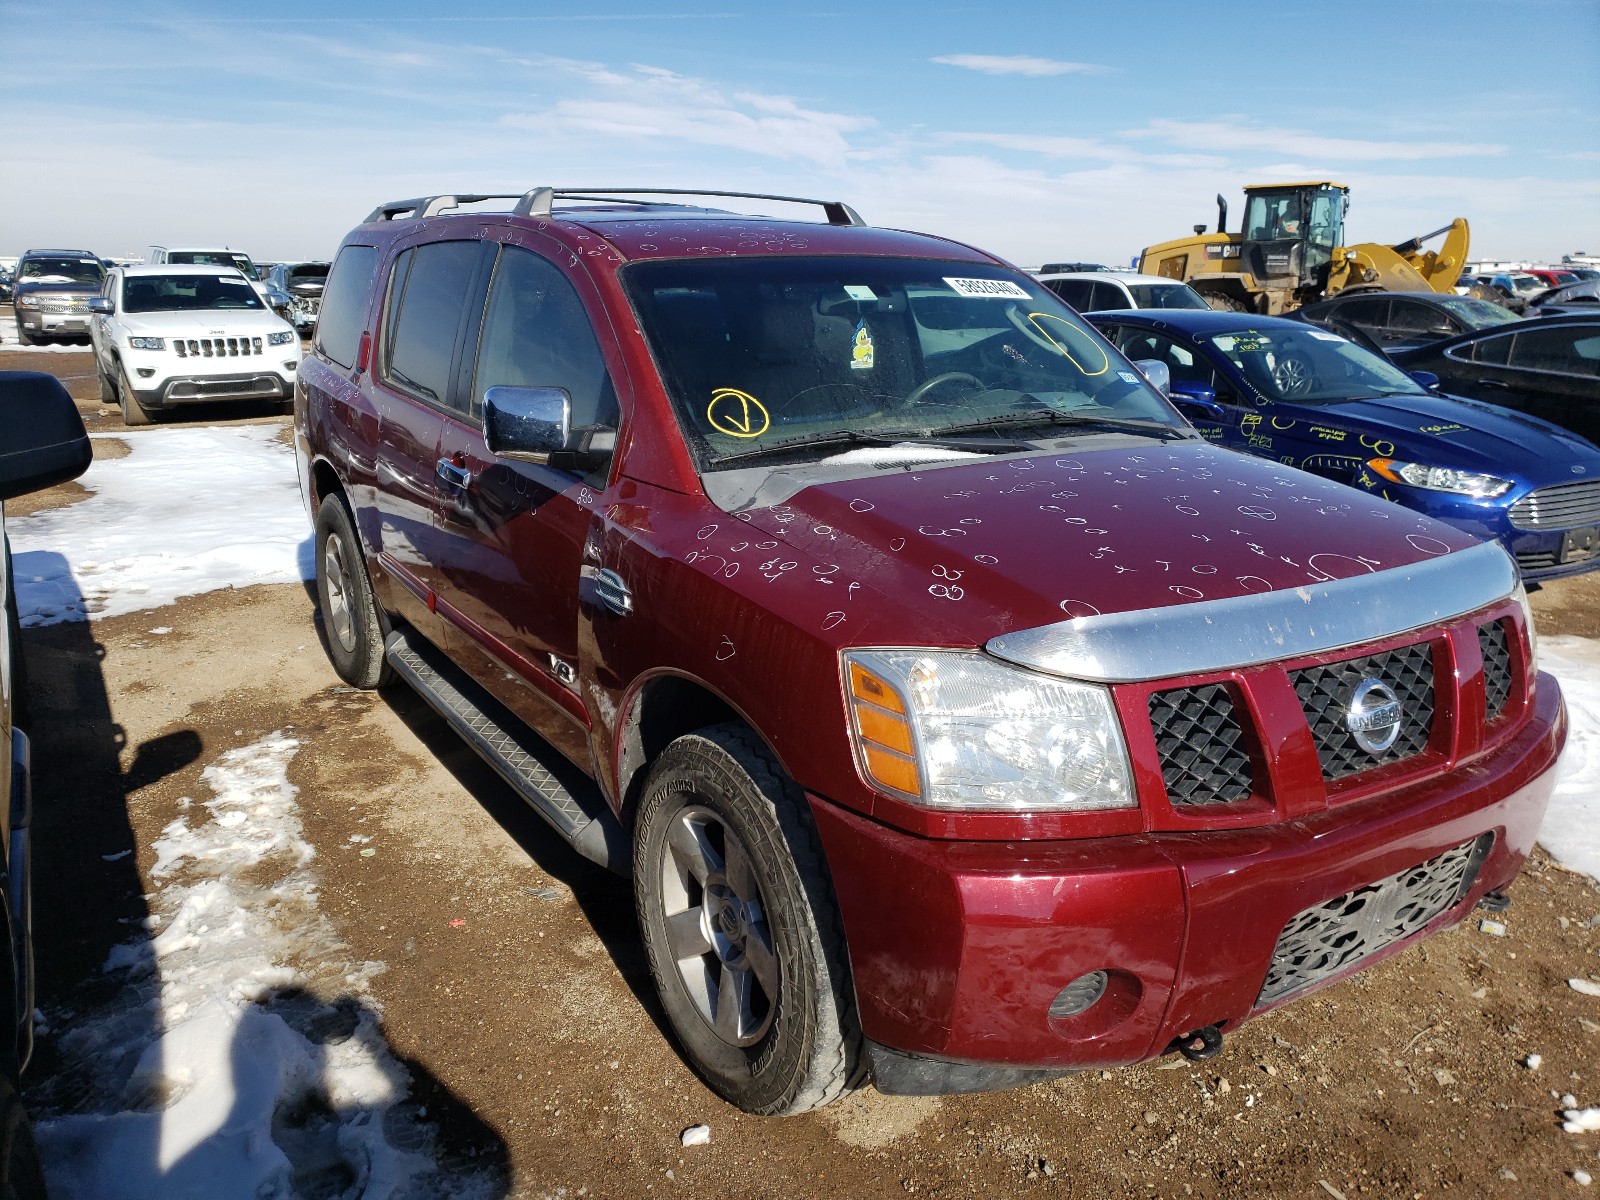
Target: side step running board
(580, 816)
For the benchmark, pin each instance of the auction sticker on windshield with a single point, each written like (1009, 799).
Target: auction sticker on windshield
(985, 289)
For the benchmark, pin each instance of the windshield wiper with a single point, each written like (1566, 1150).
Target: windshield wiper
(1049, 416)
(840, 437)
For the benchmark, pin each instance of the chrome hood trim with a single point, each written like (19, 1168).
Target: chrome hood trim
(1242, 631)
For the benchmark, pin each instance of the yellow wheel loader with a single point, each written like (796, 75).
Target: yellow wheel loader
(1291, 251)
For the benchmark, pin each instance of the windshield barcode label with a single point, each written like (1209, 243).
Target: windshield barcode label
(986, 289)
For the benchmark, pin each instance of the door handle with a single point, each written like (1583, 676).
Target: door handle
(1494, 383)
(451, 474)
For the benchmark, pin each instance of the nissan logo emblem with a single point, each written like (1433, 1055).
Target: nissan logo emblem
(1374, 716)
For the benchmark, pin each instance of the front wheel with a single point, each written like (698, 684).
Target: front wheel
(1223, 302)
(133, 413)
(351, 623)
(24, 338)
(740, 926)
(108, 390)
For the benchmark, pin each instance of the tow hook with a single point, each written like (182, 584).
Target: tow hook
(1495, 902)
(1200, 1045)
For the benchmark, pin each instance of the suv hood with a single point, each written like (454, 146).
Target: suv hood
(990, 546)
(203, 323)
(1455, 432)
(43, 288)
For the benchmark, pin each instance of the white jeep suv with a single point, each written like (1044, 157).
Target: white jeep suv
(170, 335)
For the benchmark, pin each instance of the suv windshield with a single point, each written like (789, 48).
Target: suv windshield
(183, 293)
(214, 258)
(1311, 366)
(63, 270)
(822, 352)
(1165, 295)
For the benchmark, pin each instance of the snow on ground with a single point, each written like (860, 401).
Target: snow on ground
(186, 511)
(1571, 830)
(241, 1057)
(10, 344)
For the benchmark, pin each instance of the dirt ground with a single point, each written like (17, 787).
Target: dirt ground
(532, 1033)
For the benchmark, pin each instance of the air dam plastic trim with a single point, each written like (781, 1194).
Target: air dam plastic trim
(1241, 631)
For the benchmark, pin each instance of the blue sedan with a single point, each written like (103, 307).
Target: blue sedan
(1307, 397)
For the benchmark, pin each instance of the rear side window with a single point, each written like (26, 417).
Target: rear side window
(1411, 317)
(1074, 291)
(1368, 310)
(345, 303)
(1569, 351)
(537, 334)
(426, 301)
(1492, 350)
(1106, 297)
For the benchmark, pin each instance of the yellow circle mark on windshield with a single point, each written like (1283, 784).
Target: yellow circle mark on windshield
(1074, 336)
(737, 414)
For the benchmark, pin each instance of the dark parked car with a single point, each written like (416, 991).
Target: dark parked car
(1548, 368)
(300, 285)
(53, 288)
(958, 712)
(1303, 396)
(1575, 299)
(42, 443)
(1403, 320)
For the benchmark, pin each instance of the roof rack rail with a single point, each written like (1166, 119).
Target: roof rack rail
(541, 200)
(431, 206)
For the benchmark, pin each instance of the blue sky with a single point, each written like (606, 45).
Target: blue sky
(1039, 130)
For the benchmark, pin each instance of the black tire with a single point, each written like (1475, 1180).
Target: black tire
(352, 626)
(793, 1042)
(108, 390)
(1223, 302)
(21, 1176)
(133, 413)
(24, 338)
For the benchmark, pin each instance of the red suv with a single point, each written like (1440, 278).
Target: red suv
(959, 713)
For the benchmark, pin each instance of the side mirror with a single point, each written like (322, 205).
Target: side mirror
(1157, 372)
(1198, 396)
(99, 304)
(1427, 379)
(42, 440)
(527, 424)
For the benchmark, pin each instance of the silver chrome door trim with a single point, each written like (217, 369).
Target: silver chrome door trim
(1241, 631)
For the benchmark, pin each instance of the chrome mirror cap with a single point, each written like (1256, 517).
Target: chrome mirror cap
(526, 424)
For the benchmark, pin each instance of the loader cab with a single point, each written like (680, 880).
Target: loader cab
(1290, 232)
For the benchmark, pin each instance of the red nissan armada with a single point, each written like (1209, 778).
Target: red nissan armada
(960, 716)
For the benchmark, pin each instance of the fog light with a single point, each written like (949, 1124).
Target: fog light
(1079, 996)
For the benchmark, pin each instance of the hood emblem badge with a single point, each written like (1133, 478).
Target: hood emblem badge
(1374, 716)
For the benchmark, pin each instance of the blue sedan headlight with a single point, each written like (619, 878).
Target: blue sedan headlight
(1441, 479)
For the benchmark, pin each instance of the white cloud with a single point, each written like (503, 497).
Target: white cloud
(1018, 64)
(1220, 136)
(1060, 146)
(656, 105)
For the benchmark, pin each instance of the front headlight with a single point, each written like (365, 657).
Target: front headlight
(955, 729)
(147, 343)
(27, 302)
(1441, 479)
(280, 339)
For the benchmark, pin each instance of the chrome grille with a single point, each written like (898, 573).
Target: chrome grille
(1559, 507)
(217, 347)
(1201, 744)
(1326, 692)
(1325, 939)
(1496, 668)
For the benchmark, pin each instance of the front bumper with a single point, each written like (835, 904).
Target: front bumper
(959, 948)
(203, 389)
(48, 324)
